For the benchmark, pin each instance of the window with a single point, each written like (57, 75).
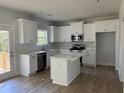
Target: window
(42, 37)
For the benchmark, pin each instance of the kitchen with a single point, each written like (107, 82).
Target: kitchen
(68, 55)
(82, 49)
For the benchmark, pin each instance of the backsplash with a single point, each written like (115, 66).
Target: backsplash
(27, 48)
(90, 44)
(67, 45)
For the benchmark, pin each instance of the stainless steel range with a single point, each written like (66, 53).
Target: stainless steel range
(78, 48)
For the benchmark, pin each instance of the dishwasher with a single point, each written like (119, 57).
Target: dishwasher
(41, 59)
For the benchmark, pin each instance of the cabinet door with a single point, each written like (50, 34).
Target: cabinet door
(100, 27)
(33, 37)
(89, 33)
(68, 34)
(58, 70)
(27, 31)
(106, 26)
(89, 58)
(111, 26)
(33, 63)
(53, 34)
(61, 34)
(64, 34)
(77, 27)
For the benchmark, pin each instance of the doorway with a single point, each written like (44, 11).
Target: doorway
(6, 52)
(105, 48)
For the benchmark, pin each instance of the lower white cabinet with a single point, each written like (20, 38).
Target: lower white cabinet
(89, 57)
(28, 64)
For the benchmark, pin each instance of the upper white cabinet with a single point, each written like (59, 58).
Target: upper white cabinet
(53, 34)
(27, 31)
(89, 32)
(105, 26)
(60, 34)
(77, 27)
(64, 34)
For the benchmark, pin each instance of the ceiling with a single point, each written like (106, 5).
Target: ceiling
(59, 10)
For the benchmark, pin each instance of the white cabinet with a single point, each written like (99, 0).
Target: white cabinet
(28, 64)
(77, 27)
(59, 34)
(27, 31)
(64, 34)
(64, 70)
(53, 34)
(89, 32)
(105, 26)
(89, 57)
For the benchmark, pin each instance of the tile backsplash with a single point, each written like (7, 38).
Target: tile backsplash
(67, 45)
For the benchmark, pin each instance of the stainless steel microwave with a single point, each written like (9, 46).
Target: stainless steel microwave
(77, 37)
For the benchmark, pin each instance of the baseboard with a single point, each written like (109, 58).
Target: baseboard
(106, 65)
(89, 65)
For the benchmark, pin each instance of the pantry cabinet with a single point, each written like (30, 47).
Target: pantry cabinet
(89, 32)
(105, 26)
(27, 31)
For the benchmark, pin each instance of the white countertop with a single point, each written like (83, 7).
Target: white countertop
(66, 56)
(31, 53)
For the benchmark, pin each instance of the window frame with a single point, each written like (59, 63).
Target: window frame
(45, 37)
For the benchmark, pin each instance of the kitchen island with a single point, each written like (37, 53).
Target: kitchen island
(64, 68)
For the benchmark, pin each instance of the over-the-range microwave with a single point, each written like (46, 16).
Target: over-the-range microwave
(77, 37)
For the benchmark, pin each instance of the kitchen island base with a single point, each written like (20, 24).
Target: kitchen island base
(64, 69)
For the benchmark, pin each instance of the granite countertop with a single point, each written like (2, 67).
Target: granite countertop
(66, 56)
(31, 53)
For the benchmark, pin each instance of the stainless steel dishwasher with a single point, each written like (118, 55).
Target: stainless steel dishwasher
(41, 59)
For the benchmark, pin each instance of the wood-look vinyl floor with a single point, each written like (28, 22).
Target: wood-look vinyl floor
(91, 80)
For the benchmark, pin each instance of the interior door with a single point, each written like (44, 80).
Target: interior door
(6, 52)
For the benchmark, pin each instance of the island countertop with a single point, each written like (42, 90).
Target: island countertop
(66, 56)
